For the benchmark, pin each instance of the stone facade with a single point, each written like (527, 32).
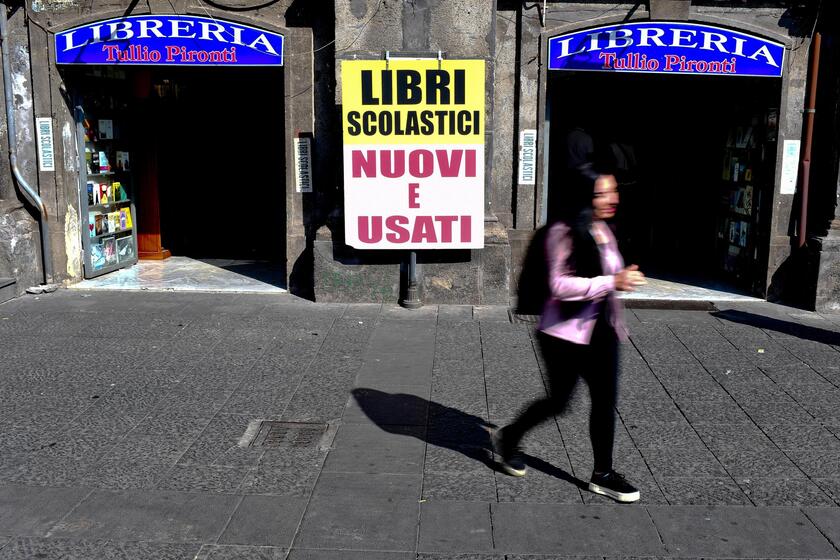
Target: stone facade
(509, 35)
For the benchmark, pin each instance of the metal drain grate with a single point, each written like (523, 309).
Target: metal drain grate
(294, 435)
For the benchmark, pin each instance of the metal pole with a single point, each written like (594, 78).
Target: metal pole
(28, 192)
(412, 297)
(810, 111)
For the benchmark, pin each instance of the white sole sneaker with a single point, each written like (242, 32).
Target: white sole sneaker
(513, 471)
(626, 498)
(497, 450)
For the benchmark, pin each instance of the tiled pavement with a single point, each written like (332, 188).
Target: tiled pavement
(122, 415)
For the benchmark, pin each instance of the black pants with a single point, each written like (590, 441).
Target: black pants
(597, 363)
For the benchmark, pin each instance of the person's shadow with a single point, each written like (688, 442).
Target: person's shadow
(442, 426)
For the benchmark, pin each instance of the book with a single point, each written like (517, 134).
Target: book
(123, 161)
(109, 247)
(97, 256)
(743, 136)
(128, 223)
(771, 124)
(732, 233)
(104, 193)
(92, 225)
(727, 167)
(92, 194)
(118, 192)
(743, 233)
(739, 201)
(90, 135)
(100, 224)
(104, 164)
(735, 168)
(122, 219)
(748, 199)
(733, 199)
(731, 260)
(106, 129)
(113, 221)
(125, 248)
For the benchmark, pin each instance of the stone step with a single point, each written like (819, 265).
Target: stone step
(7, 289)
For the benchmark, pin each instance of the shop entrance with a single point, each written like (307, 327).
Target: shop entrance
(695, 159)
(205, 166)
(219, 153)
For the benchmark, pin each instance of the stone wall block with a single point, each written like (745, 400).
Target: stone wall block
(20, 246)
(461, 28)
(368, 26)
(828, 279)
(341, 275)
(456, 283)
(496, 274)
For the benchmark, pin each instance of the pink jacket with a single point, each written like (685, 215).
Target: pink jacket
(576, 323)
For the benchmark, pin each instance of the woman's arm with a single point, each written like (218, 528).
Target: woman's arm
(562, 282)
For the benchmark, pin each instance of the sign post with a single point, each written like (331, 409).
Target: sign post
(413, 155)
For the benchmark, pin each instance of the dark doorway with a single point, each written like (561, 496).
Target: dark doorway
(220, 157)
(671, 137)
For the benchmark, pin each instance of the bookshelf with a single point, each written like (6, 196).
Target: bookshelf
(745, 188)
(108, 216)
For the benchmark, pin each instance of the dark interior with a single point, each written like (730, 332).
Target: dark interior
(675, 128)
(221, 161)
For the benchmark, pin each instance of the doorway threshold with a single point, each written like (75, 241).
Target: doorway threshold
(670, 289)
(184, 274)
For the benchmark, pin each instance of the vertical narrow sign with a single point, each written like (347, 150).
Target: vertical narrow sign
(527, 157)
(46, 147)
(303, 165)
(413, 153)
(790, 166)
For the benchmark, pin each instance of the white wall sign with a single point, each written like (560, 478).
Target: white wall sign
(790, 166)
(46, 148)
(528, 157)
(303, 165)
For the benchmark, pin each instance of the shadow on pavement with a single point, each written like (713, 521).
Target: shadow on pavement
(785, 327)
(445, 427)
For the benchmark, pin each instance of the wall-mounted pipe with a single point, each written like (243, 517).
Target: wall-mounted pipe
(810, 112)
(28, 192)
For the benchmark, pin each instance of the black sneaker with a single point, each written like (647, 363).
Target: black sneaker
(613, 485)
(511, 460)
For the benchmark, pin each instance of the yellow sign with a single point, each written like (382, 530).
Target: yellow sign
(413, 101)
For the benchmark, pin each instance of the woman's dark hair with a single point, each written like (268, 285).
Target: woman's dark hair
(576, 213)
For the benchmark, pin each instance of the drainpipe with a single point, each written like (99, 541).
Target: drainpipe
(28, 192)
(810, 111)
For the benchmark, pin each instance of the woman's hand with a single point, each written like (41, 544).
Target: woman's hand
(629, 278)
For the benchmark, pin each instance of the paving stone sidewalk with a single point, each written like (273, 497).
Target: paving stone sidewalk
(130, 428)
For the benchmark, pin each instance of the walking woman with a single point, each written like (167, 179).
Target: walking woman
(580, 328)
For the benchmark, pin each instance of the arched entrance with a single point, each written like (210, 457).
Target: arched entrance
(186, 115)
(686, 115)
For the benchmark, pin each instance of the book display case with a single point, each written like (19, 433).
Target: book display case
(746, 185)
(107, 205)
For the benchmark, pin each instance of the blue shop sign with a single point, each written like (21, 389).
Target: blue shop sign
(666, 48)
(169, 40)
